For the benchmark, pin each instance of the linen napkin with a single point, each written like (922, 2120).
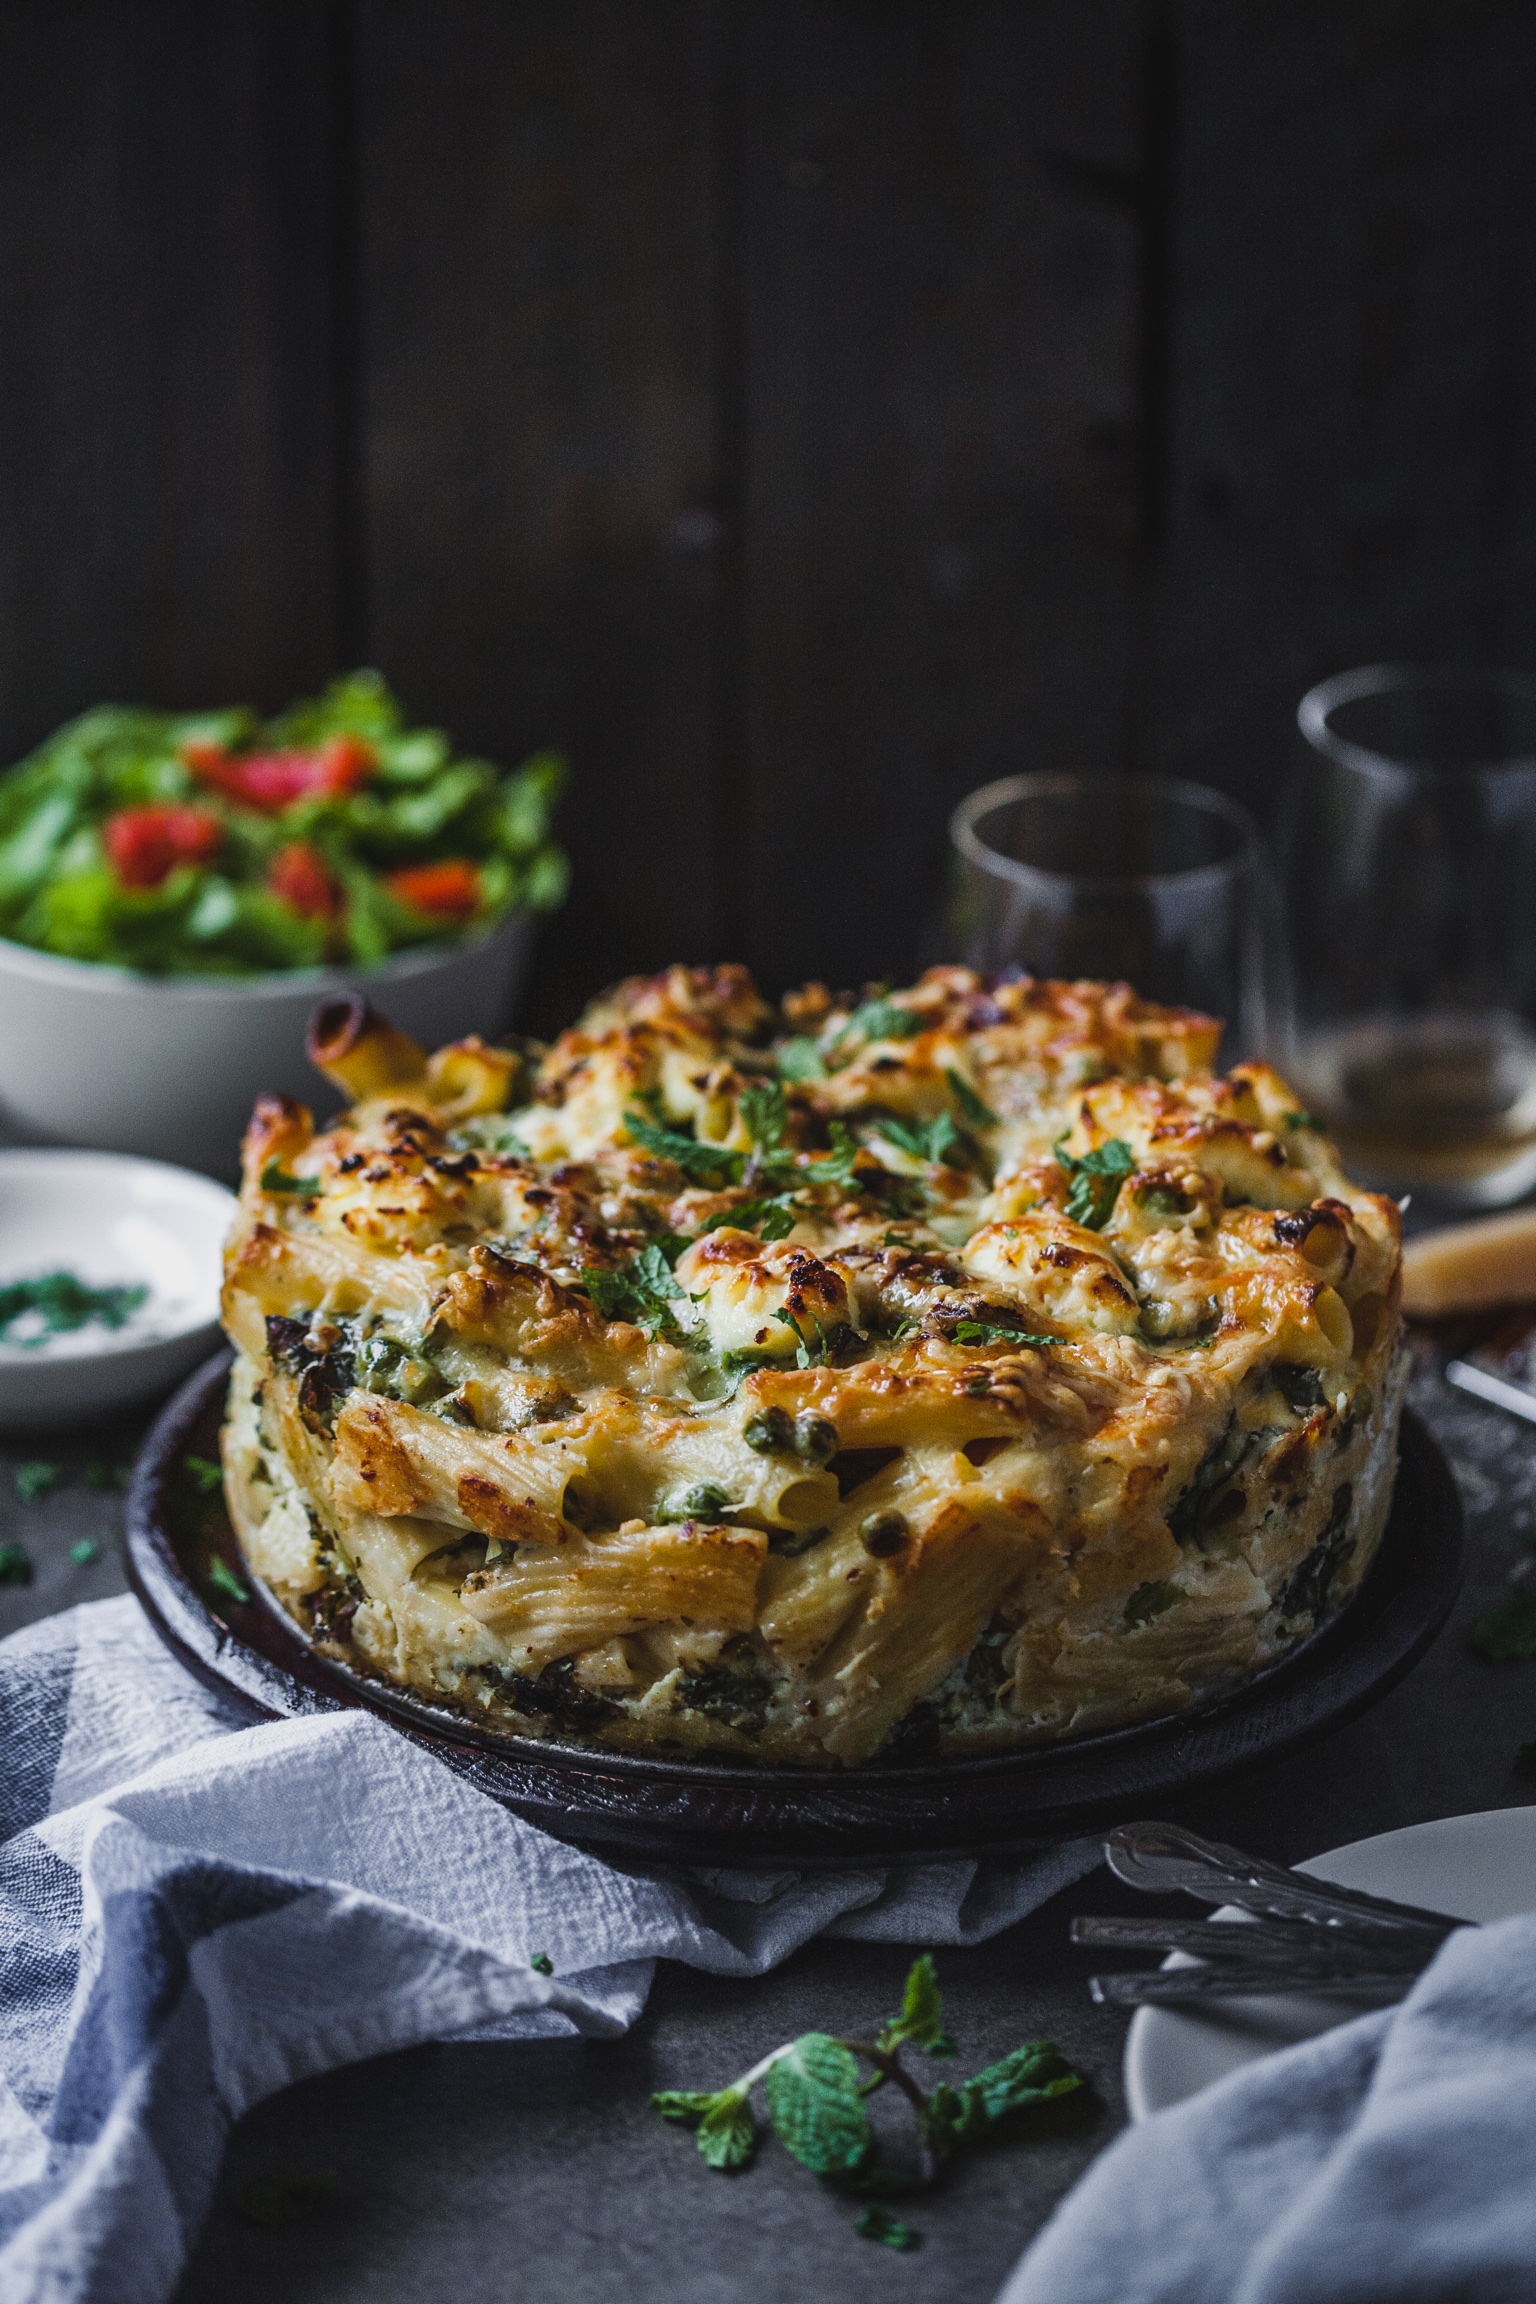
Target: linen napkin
(1391, 2161)
(195, 1913)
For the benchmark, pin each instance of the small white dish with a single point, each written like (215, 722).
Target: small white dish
(1478, 1867)
(111, 1222)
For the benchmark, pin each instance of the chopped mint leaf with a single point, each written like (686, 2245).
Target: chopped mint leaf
(1149, 1600)
(800, 1061)
(84, 1552)
(488, 1132)
(805, 1356)
(223, 1579)
(932, 1142)
(15, 1567)
(765, 1115)
(983, 1332)
(882, 1020)
(878, 2223)
(34, 1480)
(921, 2011)
(1096, 1179)
(774, 1218)
(838, 1165)
(1300, 1120)
(1507, 1630)
(700, 1163)
(1032, 2074)
(979, 1115)
(815, 2105)
(642, 1292)
(207, 1475)
(726, 2133)
(286, 2197)
(275, 1178)
(541, 1964)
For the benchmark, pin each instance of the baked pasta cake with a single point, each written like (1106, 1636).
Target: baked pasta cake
(900, 1376)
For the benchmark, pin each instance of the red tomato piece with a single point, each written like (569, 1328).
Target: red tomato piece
(145, 845)
(269, 782)
(448, 891)
(301, 876)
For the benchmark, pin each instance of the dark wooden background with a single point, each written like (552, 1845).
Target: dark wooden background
(802, 410)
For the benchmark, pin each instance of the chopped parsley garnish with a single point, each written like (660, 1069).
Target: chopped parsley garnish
(34, 1480)
(541, 1964)
(1300, 1120)
(1507, 1630)
(642, 1292)
(275, 1178)
(15, 1567)
(203, 1472)
(800, 1061)
(931, 1142)
(815, 2095)
(57, 1303)
(223, 1579)
(1096, 1179)
(979, 1115)
(84, 1552)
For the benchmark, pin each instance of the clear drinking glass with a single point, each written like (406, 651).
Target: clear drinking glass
(1410, 901)
(1152, 880)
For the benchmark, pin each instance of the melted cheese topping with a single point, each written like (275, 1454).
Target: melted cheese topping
(935, 1369)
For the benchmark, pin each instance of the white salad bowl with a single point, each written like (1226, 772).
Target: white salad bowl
(109, 1222)
(169, 1067)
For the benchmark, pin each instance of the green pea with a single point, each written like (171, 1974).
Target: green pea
(706, 1501)
(815, 1439)
(771, 1432)
(883, 1533)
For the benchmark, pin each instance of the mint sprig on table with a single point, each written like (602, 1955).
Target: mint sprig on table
(815, 2095)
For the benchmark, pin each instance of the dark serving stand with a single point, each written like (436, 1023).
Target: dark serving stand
(708, 1812)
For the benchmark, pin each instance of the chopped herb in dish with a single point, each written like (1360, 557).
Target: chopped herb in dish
(34, 1480)
(15, 1567)
(56, 1303)
(213, 844)
(224, 1580)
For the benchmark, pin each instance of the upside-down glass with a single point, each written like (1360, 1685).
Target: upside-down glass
(1149, 879)
(1410, 899)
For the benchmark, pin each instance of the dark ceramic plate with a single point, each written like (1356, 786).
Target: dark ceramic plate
(709, 1812)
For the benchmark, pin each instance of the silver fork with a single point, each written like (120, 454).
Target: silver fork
(1301, 1934)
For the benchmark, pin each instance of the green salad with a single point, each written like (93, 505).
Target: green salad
(218, 844)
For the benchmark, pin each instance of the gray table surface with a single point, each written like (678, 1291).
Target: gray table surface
(483, 2173)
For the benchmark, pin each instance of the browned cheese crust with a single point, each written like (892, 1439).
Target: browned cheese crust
(925, 1373)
